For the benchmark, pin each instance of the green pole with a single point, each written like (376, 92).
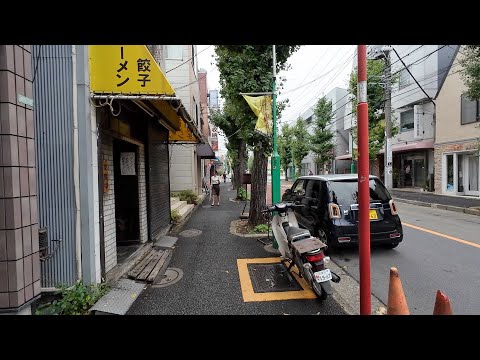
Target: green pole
(275, 165)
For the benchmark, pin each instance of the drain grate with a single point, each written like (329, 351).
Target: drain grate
(170, 277)
(272, 278)
(190, 233)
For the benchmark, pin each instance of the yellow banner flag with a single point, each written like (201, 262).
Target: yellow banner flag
(262, 107)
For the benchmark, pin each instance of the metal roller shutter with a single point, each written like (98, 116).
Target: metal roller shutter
(158, 179)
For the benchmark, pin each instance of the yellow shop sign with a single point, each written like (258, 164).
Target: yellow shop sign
(126, 69)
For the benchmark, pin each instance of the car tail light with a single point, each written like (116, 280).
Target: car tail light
(393, 207)
(315, 258)
(344, 239)
(334, 211)
(395, 235)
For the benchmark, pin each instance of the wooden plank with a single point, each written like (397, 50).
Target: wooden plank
(141, 265)
(148, 269)
(159, 266)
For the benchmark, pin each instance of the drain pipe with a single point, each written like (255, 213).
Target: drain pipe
(76, 173)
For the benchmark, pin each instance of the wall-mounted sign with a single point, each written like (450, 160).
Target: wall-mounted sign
(105, 176)
(127, 163)
(126, 69)
(24, 100)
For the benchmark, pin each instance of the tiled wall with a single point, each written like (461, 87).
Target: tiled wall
(19, 256)
(109, 227)
(452, 147)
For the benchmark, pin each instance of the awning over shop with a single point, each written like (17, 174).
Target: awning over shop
(343, 157)
(417, 145)
(129, 72)
(205, 151)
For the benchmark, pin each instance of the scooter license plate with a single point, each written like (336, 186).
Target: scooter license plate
(323, 275)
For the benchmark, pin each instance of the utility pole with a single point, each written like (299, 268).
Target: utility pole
(275, 164)
(363, 183)
(388, 122)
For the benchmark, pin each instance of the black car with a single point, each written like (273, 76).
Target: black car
(330, 209)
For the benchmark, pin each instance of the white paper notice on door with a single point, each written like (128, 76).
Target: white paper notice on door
(127, 163)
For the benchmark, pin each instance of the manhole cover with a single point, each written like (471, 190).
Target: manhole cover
(171, 276)
(190, 233)
(272, 278)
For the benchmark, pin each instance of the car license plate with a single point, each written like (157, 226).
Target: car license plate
(373, 214)
(323, 275)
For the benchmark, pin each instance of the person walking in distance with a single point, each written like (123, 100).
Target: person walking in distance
(215, 185)
(224, 177)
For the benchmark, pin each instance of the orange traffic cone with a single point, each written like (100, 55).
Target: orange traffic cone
(397, 304)
(442, 304)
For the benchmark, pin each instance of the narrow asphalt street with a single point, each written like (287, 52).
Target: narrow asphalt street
(427, 260)
(211, 281)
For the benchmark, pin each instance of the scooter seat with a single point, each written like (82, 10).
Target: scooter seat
(295, 233)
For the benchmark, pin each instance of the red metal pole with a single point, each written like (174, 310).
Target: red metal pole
(363, 183)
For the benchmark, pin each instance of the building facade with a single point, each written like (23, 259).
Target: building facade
(204, 151)
(182, 72)
(413, 111)
(103, 118)
(457, 144)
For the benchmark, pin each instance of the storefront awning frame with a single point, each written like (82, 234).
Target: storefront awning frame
(170, 108)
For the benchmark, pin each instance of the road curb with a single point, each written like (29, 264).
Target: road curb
(458, 209)
(233, 230)
(347, 293)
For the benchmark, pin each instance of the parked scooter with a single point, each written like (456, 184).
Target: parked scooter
(302, 249)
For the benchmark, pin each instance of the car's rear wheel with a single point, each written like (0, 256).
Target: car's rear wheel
(321, 234)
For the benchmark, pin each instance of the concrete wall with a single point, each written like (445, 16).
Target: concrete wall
(185, 173)
(448, 126)
(423, 69)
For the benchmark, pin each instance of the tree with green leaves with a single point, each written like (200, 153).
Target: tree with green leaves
(322, 141)
(284, 147)
(236, 145)
(376, 104)
(471, 73)
(247, 69)
(300, 145)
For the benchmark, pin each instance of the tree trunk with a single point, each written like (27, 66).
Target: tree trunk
(239, 168)
(286, 173)
(259, 189)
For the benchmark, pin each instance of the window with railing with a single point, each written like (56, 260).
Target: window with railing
(406, 120)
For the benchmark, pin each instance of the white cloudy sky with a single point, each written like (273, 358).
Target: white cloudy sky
(315, 70)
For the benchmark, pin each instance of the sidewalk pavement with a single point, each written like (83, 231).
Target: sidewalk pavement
(463, 204)
(211, 278)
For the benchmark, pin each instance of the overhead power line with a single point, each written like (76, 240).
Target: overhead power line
(186, 61)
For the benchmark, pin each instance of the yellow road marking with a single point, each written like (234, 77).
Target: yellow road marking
(247, 288)
(443, 235)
